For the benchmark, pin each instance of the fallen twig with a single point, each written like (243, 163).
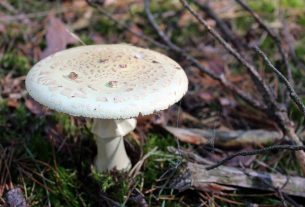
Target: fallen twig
(237, 138)
(190, 156)
(255, 152)
(200, 179)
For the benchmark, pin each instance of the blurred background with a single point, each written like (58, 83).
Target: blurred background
(46, 157)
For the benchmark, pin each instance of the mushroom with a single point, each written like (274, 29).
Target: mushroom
(113, 84)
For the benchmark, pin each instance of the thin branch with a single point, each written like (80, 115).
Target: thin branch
(271, 34)
(221, 78)
(290, 88)
(274, 109)
(125, 26)
(254, 74)
(255, 152)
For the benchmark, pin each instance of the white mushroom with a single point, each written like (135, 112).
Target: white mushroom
(112, 84)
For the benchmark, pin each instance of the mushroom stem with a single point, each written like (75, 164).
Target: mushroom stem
(108, 135)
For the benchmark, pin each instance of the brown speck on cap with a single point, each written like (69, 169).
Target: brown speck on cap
(102, 60)
(72, 76)
(123, 65)
(112, 84)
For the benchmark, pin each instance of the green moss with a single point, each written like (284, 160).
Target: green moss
(266, 6)
(243, 23)
(300, 49)
(66, 122)
(3, 110)
(155, 140)
(115, 184)
(183, 35)
(293, 3)
(86, 39)
(161, 160)
(14, 61)
(301, 20)
(106, 27)
(66, 190)
(160, 6)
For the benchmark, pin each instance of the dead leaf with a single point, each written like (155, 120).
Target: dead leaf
(12, 87)
(186, 135)
(109, 2)
(206, 97)
(217, 66)
(34, 107)
(231, 138)
(13, 103)
(57, 36)
(133, 38)
(2, 28)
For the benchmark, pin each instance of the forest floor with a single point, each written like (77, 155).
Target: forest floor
(49, 155)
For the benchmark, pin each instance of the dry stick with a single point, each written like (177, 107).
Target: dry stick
(275, 110)
(271, 34)
(255, 152)
(290, 88)
(221, 78)
(277, 190)
(267, 95)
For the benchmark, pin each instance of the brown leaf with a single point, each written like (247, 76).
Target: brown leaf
(109, 2)
(2, 28)
(186, 136)
(224, 138)
(217, 66)
(34, 107)
(13, 103)
(132, 38)
(206, 96)
(57, 36)
(12, 87)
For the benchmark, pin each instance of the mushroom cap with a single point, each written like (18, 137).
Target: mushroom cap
(116, 81)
